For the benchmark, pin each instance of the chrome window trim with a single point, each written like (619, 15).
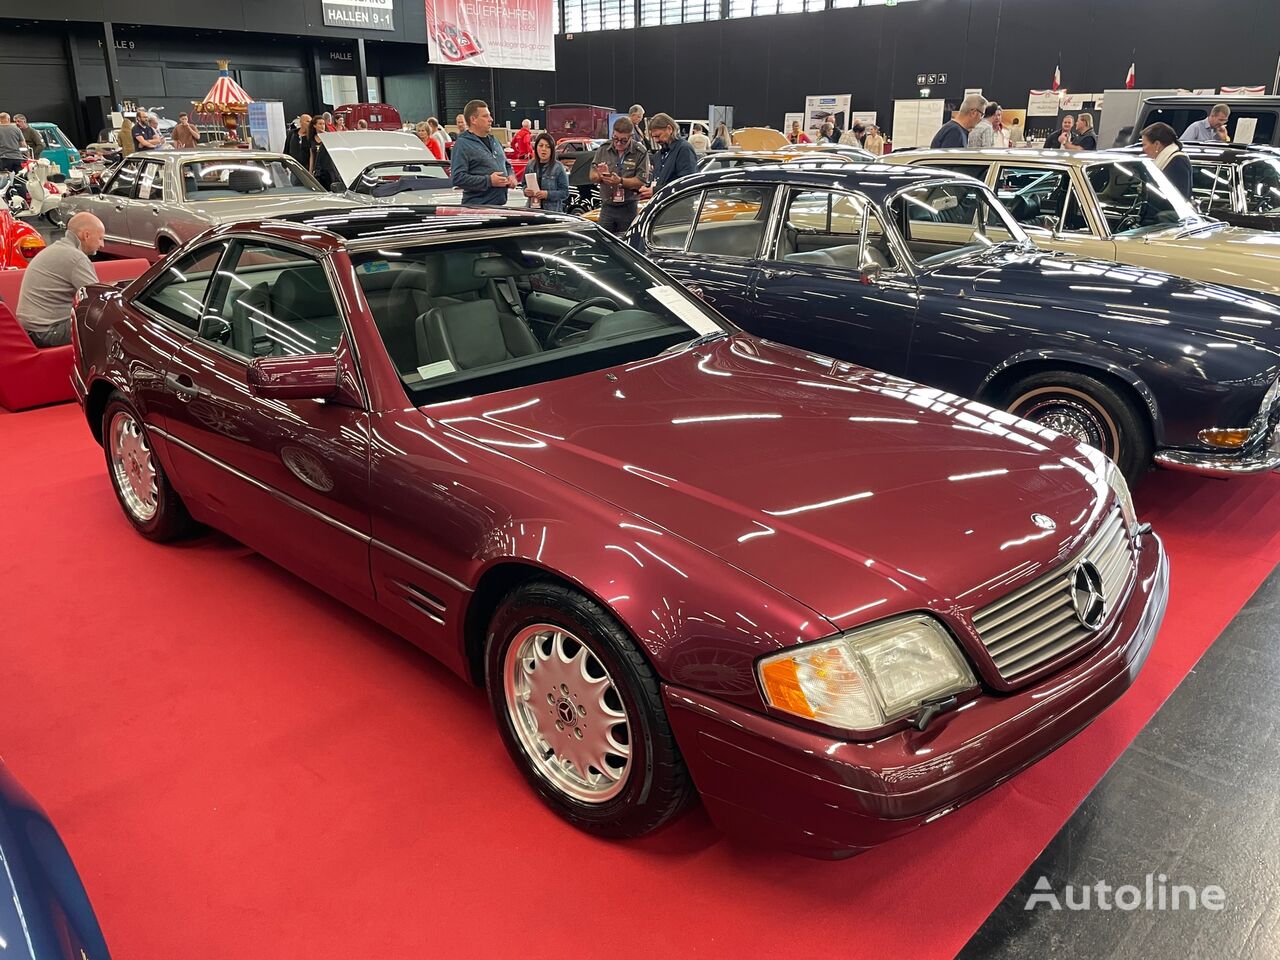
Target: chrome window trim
(292, 501)
(168, 321)
(670, 202)
(179, 162)
(886, 226)
(768, 205)
(431, 237)
(913, 267)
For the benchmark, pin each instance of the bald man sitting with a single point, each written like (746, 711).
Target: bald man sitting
(52, 279)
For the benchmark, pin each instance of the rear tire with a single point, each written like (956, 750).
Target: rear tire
(580, 710)
(147, 498)
(1087, 410)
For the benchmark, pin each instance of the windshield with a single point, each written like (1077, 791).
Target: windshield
(1135, 197)
(243, 179)
(1261, 180)
(941, 222)
(479, 316)
(391, 178)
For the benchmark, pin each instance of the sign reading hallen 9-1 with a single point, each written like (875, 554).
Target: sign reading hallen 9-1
(363, 14)
(492, 33)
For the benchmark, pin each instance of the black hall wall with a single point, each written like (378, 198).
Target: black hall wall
(766, 66)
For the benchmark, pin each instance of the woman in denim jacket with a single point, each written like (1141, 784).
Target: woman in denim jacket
(553, 181)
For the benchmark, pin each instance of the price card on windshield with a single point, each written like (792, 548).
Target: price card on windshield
(674, 301)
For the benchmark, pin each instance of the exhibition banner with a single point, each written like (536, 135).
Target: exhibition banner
(817, 109)
(492, 33)
(362, 14)
(1043, 103)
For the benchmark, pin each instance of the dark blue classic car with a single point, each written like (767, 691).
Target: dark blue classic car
(44, 912)
(924, 274)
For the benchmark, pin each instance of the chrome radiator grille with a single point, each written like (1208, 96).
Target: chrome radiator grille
(1038, 622)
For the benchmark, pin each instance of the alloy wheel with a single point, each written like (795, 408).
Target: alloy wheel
(133, 467)
(567, 713)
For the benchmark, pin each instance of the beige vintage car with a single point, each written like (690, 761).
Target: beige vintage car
(1114, 206)
(157, 200)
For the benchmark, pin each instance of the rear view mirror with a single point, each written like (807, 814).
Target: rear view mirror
(311, 377)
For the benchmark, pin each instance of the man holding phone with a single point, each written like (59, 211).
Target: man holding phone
(621, 168)
(479, 166)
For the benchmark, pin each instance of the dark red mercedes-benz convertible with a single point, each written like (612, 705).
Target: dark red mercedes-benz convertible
(833, 603)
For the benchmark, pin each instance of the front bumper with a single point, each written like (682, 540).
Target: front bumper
(825, 797)
(1219, 464)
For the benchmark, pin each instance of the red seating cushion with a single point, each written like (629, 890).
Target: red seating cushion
(31, 376)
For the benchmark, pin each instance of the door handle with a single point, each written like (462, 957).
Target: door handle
(182, 385)
(155, 211)
(770, 274)
(119, 206)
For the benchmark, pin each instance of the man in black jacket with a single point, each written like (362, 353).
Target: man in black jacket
(675, 156)
(298, 143)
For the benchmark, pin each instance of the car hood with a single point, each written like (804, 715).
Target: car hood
(354, 150)
(1236, 256)
(267, 207)
(853, 492)
(1121, 293)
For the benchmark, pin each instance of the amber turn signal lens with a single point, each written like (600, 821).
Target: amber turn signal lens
(1229, 439)
(782, 684)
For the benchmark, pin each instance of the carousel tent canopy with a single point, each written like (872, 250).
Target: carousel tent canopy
(225, 96)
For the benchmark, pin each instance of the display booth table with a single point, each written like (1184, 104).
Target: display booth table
(31, 376)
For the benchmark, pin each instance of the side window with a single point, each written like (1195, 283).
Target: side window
(269, 302)
(1039, 197)
(876, 249)
(731, 221)
(822, 227)
(1211, 186)
(976, 170)
(1261, 182)
(151, 182)
(179, 294)
(125, 180)
(670, 228)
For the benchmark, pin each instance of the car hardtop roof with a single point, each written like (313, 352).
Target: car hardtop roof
(1233, 150)
(387, 223)
(1232, 100)
(213, 154)
(1030, 154)
(870, 177)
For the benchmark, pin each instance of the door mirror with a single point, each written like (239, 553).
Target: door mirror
(337, 187)
(95, 189)
(870, 273)
(314, 376)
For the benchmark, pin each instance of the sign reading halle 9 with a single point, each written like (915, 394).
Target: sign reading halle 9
(492, 33)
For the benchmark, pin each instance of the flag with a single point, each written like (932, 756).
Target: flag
(1057, 76)
(1131, 77)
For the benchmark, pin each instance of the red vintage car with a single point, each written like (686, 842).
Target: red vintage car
(681, 560)
(19, 241)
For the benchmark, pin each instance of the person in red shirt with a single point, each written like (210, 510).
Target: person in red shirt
(797, 135)
(522, 142)
(425, 134)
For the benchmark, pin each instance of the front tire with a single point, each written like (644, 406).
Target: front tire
(1087, 410)
(147, 498)
(579, 709)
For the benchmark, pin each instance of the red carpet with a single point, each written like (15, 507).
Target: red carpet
(244, 769)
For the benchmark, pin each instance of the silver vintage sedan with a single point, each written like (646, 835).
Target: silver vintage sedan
(158, 200)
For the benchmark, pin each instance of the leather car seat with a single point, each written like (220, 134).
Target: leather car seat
(245, 181)
(397, 298)
(474, 334)
(303, 304)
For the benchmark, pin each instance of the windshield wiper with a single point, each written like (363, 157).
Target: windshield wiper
(707, 338)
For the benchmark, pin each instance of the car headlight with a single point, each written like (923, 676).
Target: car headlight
(867, 677)
(1120, 487)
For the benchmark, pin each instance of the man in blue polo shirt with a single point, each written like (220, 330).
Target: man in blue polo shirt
(478, 165)
(955, 132)
(1212, 129)
(145, 136)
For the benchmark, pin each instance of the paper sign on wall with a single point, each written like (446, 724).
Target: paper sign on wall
(364, 14)
(1245, 128)
(817, 109)
(1043, 103)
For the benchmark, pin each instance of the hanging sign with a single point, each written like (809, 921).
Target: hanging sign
(361, 14)
(519, 34)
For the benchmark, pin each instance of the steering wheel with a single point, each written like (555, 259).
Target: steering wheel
(553, 338)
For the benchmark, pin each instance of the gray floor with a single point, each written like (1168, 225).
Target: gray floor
(1195, 798)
